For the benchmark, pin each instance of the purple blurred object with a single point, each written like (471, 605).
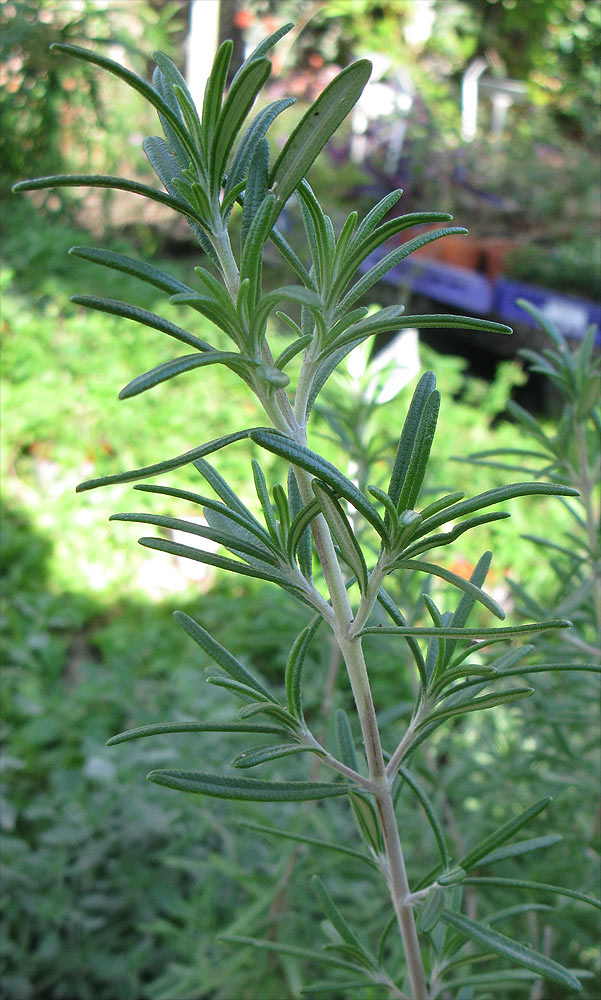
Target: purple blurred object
(571, 315)
(476, 295)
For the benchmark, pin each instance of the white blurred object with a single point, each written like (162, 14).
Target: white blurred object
(203, 36)
(390, 370)
(382, 100)
(503, 93)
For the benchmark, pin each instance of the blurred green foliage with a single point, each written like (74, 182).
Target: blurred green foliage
(51, 109)
(553, 45)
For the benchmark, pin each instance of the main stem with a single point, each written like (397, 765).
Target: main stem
(352, 652)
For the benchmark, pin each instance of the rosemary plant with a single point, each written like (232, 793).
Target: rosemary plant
(212, 168)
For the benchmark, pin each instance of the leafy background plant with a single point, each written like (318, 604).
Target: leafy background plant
(32, 463)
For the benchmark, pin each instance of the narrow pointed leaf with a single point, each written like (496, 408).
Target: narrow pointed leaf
(335, 917)
(420, 454)
(497, 495)
(315, 128)
(463, 633)
(136, 268)
(219, 654)
(261, 755)
(253, 134)
(477, 705)
(518, 883)
(296, 454)
(237, 104)
(398, 618)
(312, 841)
(215, 86)
(134, 81)
(346, 744)
(474, 592)
(250, 789)
(429, 811)
(516, 850)
(230, 541)
(343, 533)
(256, 187)
(390, 260)
(423, 390)
(178, 366)
(158, 728)
(267, 43)
(212, 559)
(114, 183)
(170, 463)
(471, 859)
(300, 525)
(431, 911)
(499, 944)
(143, 316)
(294, 668)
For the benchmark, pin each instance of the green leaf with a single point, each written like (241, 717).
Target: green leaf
(214, 88)
(236, 519)
(390, 260)
(236, 542)
(274, 831)
(518, 883)
(292, 259)
(500, 945)
(463, 633)
(267, 43)
(292, 350)
(186, 363)
(256, 187)
(422, 393)
(221, 488)
(115, 183)
(136, 268)
(251, 266)
(158, 728)
(471, 859)
(211, 559)
(300, 545)
(134, 81)
(445, 538)
(398, 618)
(243, 691)
(431, 911)
(429, 811)
(497, 495)
(474, 592)
(252, 136)
(294, 668)
(342, 531)
(238, 103)
(170, 463)
(289, 293)
(225, 318)
(477, 705)
(346, 744)
(315, 128)
(299, 527)
(298, 455)
(522, 847)
(420, 453)
(143, 316)
(261, 755)
(367, 821)
(250, 789)
(219, 654)
(337, 920)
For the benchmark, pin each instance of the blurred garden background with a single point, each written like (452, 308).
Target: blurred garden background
(117, 890)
